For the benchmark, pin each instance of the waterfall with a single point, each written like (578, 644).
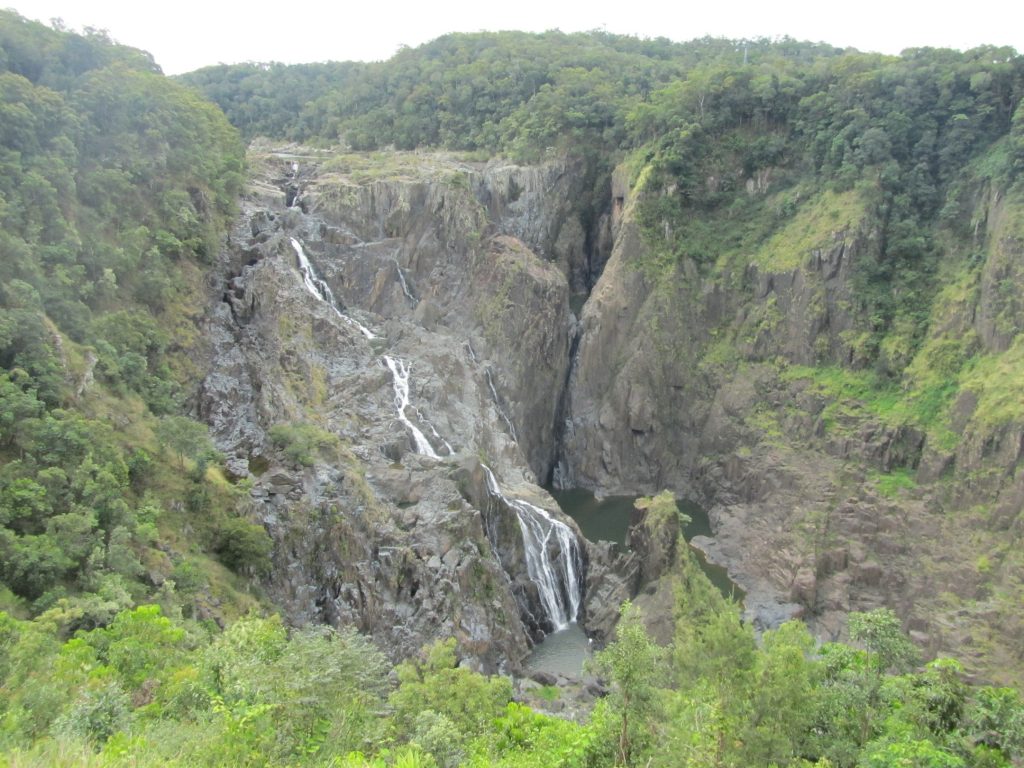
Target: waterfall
(322, 290)
(434, 432)
(558, 575)
(494, 393)
(400, 373)
(497, 405)
(405, 285)
(399, 370)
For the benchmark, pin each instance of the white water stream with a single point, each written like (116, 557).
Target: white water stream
(557, 578)
(552, 551)
(400, 373)
(322, 290)
(405, 285)
(497, 406)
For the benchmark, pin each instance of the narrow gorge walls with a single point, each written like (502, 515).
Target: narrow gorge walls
(440, 316)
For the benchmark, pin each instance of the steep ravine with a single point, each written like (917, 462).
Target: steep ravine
(724, 384)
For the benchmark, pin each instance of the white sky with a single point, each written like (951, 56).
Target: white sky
(184, 35)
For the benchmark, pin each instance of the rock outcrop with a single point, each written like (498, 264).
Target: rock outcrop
(704, 381)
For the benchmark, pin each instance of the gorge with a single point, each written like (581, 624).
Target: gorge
(600, 401)
(305, 440)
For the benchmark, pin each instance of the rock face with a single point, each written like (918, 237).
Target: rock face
(486, 253)
(456, 282)
(680, 382)
(650, 407)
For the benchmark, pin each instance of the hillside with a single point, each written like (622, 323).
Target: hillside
(117, 187)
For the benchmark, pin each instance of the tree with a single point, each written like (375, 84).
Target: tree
(470, 701)
(910, 753)
(634, 664)
(782, 696)
(303, 442)
(995, 719)
(881, 634)
(187, 438)
(243, 545)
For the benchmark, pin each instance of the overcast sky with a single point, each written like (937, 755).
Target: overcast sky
(187, 34)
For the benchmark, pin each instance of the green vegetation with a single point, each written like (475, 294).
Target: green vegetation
(153, 689)
(851, 397)
(995, 380)
(763, 163)
(662, 511)
(115, 188)
(302, 443)
(510, 91)
(891, 484)
(812, 226)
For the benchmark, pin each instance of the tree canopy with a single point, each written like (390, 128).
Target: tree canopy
(115, 187)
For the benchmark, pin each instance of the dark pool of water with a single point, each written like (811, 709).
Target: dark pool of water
(607, 519)
(603, 519)
(561, 653)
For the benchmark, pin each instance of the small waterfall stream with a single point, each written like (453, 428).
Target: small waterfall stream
(559, 574)
(400, 375)
(497, 406)
(322, 291)
(404, 283)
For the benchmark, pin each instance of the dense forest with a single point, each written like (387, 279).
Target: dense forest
(117, 186)
(133, 630)
(518, 93)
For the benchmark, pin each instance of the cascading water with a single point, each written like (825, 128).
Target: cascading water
(552, 551)
(558, 575)
(437, 436)
(403, 282)
(322, 291)
(399, 370)
(497, 405)
(400, 373)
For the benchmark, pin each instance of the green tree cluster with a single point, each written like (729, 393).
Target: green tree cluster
(116, 185)
(154, 689)
(509, 91)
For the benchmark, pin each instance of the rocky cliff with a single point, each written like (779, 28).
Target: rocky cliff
(373, 340)
(741, 384)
